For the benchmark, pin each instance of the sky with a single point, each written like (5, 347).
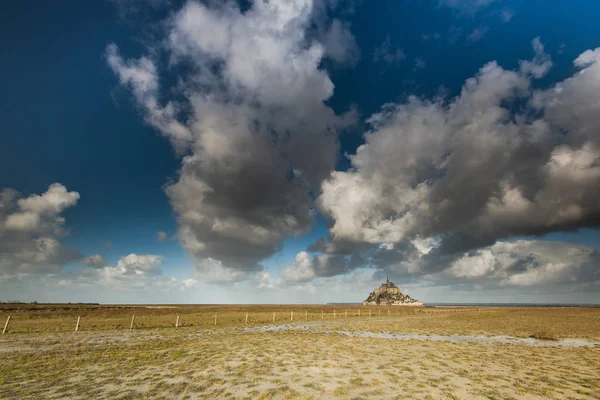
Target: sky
(300, 151)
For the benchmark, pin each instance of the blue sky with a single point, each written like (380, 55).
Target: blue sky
(75, 99)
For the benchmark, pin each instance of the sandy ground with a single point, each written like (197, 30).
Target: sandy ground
(288, 364)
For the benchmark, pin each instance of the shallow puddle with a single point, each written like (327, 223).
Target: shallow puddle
(434, 338)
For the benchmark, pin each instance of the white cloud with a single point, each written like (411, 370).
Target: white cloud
(302, 270)
(251, 109)
(529, 263)
(41, 213)
(95, 260)
(587, 58)
(544, 265)
(573, 105)
(380, 198)
(541, 63)
(130, 280)
(435, 181)
(138, 265)
(266, 281)
(141, 76)
(30, 229)
(523, 175)
(425, 245)
(131, 271)
(474, 266)
(307, 267)
(339, 43)
(213, 271)
(189, 283)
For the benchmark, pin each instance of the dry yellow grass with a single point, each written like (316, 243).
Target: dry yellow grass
(201, 361)
(62, 318)
(228, 363)
(578, 322)
(545, 334)
(552, 323)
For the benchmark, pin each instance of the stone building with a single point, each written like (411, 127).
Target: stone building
(389, 294)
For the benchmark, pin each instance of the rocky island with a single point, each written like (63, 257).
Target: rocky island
(389, 294)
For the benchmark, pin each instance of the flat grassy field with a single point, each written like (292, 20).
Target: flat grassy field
(314, 356)
(29, 318)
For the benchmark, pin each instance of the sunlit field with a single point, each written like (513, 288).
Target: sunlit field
(308, 354)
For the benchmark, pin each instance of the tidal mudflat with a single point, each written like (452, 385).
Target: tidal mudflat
(414, 355)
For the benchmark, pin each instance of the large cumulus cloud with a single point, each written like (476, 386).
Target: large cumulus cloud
(248, 114)
(30, 231)
(133, 271)
(529, 263)
(470, 171)
(436, 189)
(517, 264)
(440, 185)
(124, 282)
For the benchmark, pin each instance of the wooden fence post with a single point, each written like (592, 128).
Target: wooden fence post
(346, 313)
(177, 322)
(273, 316)
(246, 317)
(132, 320)
(6, 325)
(292, 316)
(77, 326)
(333, 314)
(215, 318)
(321, 314)
(306, 315)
